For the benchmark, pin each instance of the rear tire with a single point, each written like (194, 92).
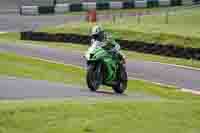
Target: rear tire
(91, 78)
(122, 81)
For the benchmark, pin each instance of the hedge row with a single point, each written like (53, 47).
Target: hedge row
(157, 49)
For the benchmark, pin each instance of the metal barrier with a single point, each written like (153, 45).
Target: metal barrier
(38, 2)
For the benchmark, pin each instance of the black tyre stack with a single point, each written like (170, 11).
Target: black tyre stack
(75, 7)
(102, 5)
(128, 4)
(176, 2)
(152, 3)
(46, 10)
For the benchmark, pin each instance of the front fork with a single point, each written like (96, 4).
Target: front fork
(110, 72)
(98, 72)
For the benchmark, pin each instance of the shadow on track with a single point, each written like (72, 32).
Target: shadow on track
(109, 93)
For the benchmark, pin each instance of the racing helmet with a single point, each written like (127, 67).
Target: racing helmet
(97, 33)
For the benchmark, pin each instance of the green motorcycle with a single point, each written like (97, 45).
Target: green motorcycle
(103, 68)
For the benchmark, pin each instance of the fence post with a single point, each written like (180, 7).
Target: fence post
(120, 17)
(167, 17)
(138, 18)
(114, 18)
(54, 2)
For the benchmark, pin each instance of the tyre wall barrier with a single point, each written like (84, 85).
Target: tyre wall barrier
(163, 3)
(196, 1)
(76, 7)
(116, 5)
(89, 5)
(128, 5)
(152, 3)
(70, 7)
(141, 3)
(36, 2)
(46, 9)
(62, 8)
(102, 6)
(29, 10)
(187, 2)
(151, 48)
(176, 2)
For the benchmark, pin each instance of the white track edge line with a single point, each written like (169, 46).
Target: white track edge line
(157, 83)
(170, 86)
(3, 32)
(156, 62)
(178, 66)
(55, 62)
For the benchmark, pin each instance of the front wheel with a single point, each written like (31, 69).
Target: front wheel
(122, 81)
(93, 77)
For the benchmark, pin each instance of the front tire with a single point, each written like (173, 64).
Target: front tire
(122, 81)
(92, 78)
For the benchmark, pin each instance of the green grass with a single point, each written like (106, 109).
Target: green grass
(108, 117)
(12, 65)
(14, 37)
(182, 30)
(175, 112)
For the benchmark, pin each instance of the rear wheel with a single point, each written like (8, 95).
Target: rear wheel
(122, 81)
(93, 77)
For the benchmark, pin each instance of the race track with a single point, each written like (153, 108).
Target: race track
(19, 88)
(10, 21)
(155, 72)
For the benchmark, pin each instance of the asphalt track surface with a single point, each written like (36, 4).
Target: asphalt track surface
(154, 72)
(12, 89)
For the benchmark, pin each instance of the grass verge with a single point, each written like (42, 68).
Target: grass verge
(36, 69)
(15, 37)
(108, 117)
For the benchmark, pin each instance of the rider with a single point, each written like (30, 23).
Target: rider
(105, 40)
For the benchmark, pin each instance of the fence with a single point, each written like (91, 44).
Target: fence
(164, 15)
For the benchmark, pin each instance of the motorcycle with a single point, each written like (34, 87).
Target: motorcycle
(104, 68)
